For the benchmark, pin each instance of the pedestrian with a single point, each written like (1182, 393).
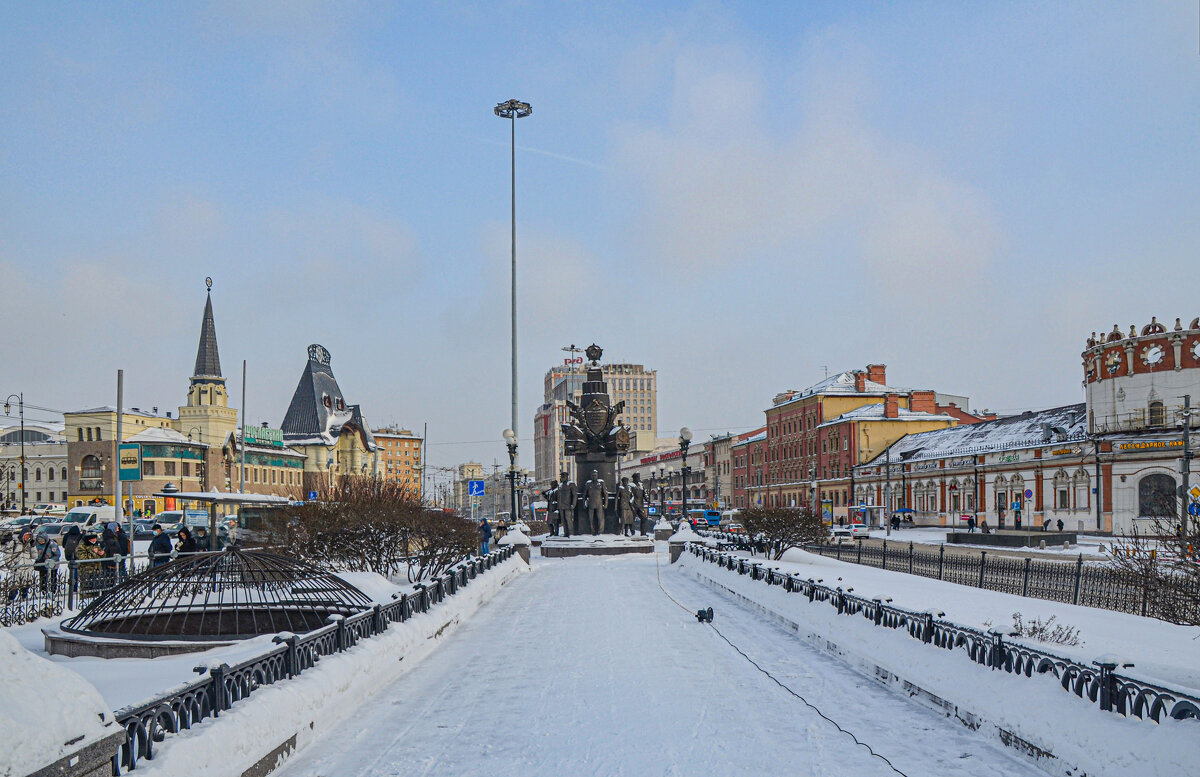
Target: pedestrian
(983, 526)
(485, 536)
(186, 543)
(46, 561)
(126, 552)
(232, 530)
(160, 547)
(71, 540)
(202, 542)
(1060, 524)
(110, 549)
(1046, 525)
(971, 525)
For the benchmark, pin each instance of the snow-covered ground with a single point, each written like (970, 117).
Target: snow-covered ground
(587, 668)
(1037, 710)
(1162, 653)
(1089, 545)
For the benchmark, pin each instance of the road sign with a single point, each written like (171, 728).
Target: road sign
(1028, 494)
(312, 496)
(1194, 509)
(1195, 492)
(130, 455)
(474, 488)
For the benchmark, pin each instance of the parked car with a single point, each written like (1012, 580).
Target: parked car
(859, 530)
(91, 518)
(53, 531)
(841, 535)
(15, 527)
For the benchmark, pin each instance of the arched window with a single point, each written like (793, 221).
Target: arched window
(90, 467)
(50, 473)
(64, 473)
(1062, 491)
(37, 473)
(98, 437)
(89, 431)
(1083, 491)
(1156, 496)
(1158, 415)
(80, 431)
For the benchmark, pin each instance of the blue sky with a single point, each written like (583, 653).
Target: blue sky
(961, 191)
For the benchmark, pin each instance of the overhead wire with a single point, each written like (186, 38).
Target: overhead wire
(756, 665)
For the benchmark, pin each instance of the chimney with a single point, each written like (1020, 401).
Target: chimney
(877, 373)
(922, 402)
(860, 381)
(168, 414)
(891, 406)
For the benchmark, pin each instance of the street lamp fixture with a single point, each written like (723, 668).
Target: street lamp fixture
(513, 110)
(510, 441)
(685, 439)
(21, 409)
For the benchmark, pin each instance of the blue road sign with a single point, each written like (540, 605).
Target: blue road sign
(1194, 508)
(474, 488)
(312, 496)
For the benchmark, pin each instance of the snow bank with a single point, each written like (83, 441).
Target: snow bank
(309, 705)
(514, 537)
(373, 584)
(685, 534)
(1071, 733)
(662, 524)
(46, 711)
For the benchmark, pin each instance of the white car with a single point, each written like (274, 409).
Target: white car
(841, 535)
(859, 530)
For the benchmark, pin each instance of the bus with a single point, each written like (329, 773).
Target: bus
(701, 517)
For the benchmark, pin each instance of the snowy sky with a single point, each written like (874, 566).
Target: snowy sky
(963, 192)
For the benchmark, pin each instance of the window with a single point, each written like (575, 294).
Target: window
(89, 432)
(187, 469)
(1158, 415)
(80, 432)
(98, 437)
(147, 468)
(90, 467)
(37, 473)
(1156, 497)
(168, 468)
(64, 473)
(50, 474)
(1063, 499)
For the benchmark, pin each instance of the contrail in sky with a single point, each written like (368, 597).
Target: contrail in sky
(551, 154)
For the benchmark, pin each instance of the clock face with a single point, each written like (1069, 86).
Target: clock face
(1113, 361)
(1153, 355)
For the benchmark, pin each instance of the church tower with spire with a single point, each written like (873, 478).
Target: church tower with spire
(207, 416)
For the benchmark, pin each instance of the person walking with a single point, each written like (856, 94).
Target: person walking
(110, 549)
(126, 552)
(1060, 524)
(203, 544)
(160, 547)
(971, 525)
(485, 536)
(46, 561)
(186, 543)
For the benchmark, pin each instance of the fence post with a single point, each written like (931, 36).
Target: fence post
(982, 566)
(72, 582)
(1078, 578)
(838, 555)
(379, 621)
(217, 673)
(910, 558)
(1025, 580)
(997, 649)
(941, 561)
(878, 610)
(884, 564)
(927, 630)
(1106, 685)
(858, 559)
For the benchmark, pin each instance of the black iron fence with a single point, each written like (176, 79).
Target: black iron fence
(32, 591)
(1098, 683)
(150, 722)
(1071, 582)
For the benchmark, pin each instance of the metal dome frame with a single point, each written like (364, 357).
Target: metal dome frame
(230, 594)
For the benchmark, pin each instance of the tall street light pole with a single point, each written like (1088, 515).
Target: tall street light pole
(510, 441)
(685, 439)
(513, 110)
(21, 409)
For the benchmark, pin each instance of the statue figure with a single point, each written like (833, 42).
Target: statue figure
(552, 507)
(625, 507)
(567, 495)
(595, 498)
(638, 492)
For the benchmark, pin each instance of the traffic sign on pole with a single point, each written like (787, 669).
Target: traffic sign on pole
(474, 488)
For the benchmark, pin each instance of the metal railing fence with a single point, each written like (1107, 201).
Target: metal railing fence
(1071, 582)
(1098, 683)
(150, 722)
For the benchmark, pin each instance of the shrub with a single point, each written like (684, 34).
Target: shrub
(784, 527)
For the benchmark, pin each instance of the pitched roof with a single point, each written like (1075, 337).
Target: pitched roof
(842, 383)
(158, 434)
(875, 411)
(208, 362)
(1027, 430)
(318, 411)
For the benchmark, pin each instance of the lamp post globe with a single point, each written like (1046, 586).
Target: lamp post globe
(510, 441)
(685, 439)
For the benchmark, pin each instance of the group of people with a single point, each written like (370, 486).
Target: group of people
(564, 497)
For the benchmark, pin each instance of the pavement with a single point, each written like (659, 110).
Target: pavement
(586, 667)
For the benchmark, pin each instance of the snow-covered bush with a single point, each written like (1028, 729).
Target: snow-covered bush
(784, 527)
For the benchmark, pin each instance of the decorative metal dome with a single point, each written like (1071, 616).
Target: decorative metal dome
(232, 594)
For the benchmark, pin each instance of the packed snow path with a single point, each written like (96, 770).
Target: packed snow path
(586, 668)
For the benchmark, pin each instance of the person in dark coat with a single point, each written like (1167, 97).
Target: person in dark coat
(110, 549)
(202, 542)
(1060, 524)
(160, 547)
(126, 551)
(187, 543)
(71, 540)
(485, 536)
(46, 561)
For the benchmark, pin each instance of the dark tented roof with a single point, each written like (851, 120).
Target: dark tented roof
(318, 410)
(208, 362)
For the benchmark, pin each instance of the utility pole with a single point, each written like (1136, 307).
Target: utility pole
(21, 409)
(887, 492)
(1187, 468)
(242, 488)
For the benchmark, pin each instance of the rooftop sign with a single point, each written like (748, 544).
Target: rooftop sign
(263, 435)
(1150, 445)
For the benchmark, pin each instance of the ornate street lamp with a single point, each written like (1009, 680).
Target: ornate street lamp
(510, 441)
(513, 110)
(685, 439)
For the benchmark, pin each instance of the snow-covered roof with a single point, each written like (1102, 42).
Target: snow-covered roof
(318, 411)
(111, 409)
(875, 412)
(1028, 430)
(756, 438)
(843, 383)
(158, 434)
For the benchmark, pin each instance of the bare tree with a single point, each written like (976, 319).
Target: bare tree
(369, 524)
(784, 527)
(1160, 566)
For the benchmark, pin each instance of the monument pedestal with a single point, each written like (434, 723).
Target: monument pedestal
(595, 545)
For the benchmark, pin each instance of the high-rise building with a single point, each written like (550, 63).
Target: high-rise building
(631, 383)
(400, 451)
